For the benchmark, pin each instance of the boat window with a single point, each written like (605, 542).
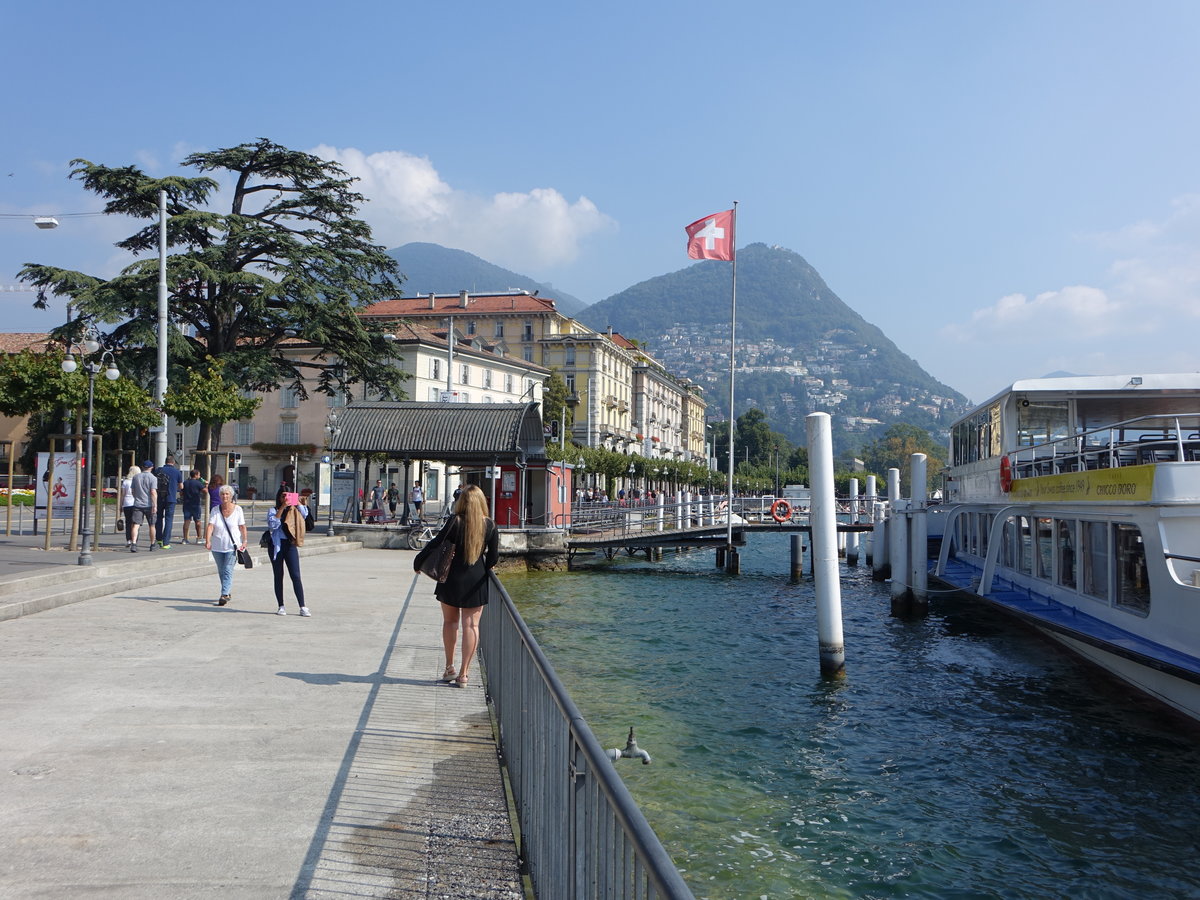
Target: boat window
(1008, 542)
(1095, 559)
(1025, 544)
(977, 437)
(1042, 421)
(1066, 552)
(1045, 549)
(1133, 586)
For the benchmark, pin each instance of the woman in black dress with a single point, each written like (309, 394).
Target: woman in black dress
(465, 592)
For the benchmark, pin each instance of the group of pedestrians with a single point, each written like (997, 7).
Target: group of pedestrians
(150, 495)
(391, 495)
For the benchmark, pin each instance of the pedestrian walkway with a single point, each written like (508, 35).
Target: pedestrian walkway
(157, 746)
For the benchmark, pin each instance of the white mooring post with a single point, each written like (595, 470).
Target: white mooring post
(870, 516)
(852, 536)
(918, 550)
(897, 538)
(824, 546)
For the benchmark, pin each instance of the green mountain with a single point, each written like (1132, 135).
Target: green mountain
(441, 270)
(800, 349)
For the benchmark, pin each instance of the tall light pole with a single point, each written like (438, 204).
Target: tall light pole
(90, 346)
(160, 382)
(332, 429)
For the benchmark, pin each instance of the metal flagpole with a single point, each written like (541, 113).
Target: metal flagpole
(732, 344)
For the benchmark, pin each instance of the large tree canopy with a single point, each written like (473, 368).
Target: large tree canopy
(287, 260)
(895, 449)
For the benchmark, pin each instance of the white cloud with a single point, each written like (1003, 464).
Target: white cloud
(1145, 297)
(409, 201)
(1071, 314)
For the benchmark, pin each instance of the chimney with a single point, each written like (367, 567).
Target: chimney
(463, 299)
(431, 304)
(610, 332)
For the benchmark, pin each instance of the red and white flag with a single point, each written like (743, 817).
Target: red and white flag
(711, 237)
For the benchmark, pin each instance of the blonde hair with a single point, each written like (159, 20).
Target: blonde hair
(133, 470)
(472, 511)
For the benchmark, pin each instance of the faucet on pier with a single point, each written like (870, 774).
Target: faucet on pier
(631, 751)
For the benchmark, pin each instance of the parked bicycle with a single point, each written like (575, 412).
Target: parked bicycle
(424, 532)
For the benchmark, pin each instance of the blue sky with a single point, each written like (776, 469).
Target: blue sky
(1006, 189)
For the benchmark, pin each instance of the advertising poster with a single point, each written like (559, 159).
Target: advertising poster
(343, 494)
(58, 485)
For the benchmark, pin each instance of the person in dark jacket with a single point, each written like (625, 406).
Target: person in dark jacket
(464, 593)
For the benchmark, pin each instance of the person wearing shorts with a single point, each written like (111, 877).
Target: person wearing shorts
(193, 494)
(144, 487)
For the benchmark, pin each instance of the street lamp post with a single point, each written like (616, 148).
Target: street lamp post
(332, 429)
(90, 346)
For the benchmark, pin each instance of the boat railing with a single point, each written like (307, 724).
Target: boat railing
(1139, 441)
(580, 832)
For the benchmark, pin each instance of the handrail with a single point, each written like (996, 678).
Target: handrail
(582, 834)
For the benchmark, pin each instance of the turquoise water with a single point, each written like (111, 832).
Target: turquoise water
(962, 756)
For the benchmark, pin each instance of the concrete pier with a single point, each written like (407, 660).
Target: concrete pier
(157, 746)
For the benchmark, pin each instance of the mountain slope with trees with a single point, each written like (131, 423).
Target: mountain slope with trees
(800, 348)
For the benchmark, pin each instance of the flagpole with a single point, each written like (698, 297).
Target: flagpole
(730, 564)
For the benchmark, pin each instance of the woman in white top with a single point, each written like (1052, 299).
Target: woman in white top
(225, 535)
(127, 503)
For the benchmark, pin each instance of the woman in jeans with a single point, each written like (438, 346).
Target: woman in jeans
(225, 535)
(286, 525)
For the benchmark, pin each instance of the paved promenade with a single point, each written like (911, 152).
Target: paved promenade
(153, 745)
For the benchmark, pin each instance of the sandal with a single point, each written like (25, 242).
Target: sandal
(225, 598)
(461, 681)
(448, 675)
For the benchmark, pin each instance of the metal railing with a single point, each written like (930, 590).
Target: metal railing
(1146, 439)
(582, 835)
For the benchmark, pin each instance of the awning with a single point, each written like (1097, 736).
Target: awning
(448, 432)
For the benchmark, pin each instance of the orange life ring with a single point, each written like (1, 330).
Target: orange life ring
(1005, 474)
(781, 511)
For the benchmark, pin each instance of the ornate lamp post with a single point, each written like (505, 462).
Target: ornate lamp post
(87, 348)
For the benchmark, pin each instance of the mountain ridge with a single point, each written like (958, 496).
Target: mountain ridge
(800, 348)
(444, 270)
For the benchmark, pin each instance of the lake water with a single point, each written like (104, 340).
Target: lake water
(962, 756)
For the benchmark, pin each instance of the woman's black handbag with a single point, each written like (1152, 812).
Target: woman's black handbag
(243, 556)
(436, 559)
(265, 540)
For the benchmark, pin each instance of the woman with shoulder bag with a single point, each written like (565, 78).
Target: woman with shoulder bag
(286, 525)
(219, 538)
(464, 593)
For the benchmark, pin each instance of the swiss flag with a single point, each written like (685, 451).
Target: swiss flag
(711, 237)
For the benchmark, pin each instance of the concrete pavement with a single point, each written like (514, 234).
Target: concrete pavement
(153, 745)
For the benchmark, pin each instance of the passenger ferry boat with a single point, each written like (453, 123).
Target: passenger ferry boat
(1074, 503)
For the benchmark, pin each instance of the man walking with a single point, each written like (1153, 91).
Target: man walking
(417, 497)
(169, 481)
(144, 487)
(193, 504)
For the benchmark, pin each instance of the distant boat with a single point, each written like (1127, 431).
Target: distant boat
(1074, 503)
